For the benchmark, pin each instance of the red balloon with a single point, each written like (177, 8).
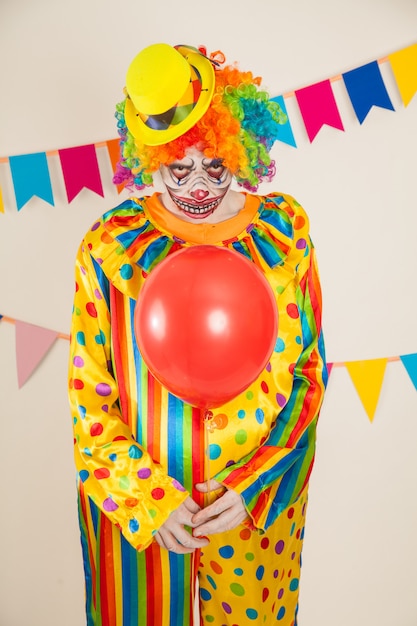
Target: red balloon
(206, 324)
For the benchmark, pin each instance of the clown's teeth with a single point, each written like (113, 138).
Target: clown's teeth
(193, 209)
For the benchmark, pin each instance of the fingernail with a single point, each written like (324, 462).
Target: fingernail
(202, 537)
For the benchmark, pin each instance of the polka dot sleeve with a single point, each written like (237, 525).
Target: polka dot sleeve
(112, 469)
(272, 477)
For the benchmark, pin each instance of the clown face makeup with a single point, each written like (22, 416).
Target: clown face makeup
(196, 185)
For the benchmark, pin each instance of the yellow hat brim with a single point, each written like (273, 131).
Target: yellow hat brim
(150, 136)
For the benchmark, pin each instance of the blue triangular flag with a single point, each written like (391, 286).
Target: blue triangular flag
(366, 89)
(285, 133)
(410, 364)
(30, 174)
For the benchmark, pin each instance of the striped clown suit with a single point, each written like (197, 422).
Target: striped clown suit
(139, 450)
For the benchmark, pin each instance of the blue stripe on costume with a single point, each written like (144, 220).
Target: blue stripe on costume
(87, 566)
(176, 568)
(175, 439)
(94, 513)
(269, 252)
(239, 246)
(130, 583)
(154, 252)
(127, 238)
(274, 473)
(103, 281)
(279, 220)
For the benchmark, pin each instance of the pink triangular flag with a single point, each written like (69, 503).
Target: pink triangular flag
(329, 368)
(318, 107)
(80, 169)
(32, 343)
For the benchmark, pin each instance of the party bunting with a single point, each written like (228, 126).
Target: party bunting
(364, 86)
(1, 202)
(285, 133)
(318, 107)
(410, 363)
(80, 169)
(30, 175)
(32, 344)
(404, 67)
(366, 89)
(367, 377)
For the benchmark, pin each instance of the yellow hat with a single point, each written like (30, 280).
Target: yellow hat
(168, 90)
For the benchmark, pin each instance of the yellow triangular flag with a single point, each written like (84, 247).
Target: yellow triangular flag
(404, 67)
(367, 376)
(1, 202)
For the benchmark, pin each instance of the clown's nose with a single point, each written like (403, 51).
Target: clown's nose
(199, 194)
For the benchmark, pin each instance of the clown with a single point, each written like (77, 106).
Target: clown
(167, 499)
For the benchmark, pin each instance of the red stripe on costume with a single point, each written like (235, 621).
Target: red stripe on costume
(309, 410)
(118, 351)
(154, 585)
(150, 588)
(151, 422)
(140, 243)
(107, 572)
(198, 473)
(122, 220)
(261, 456)
(198, 452)
(260, 505)
(157, 575)
(156, 443)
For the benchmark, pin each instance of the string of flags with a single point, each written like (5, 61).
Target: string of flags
(317, 105)
(34, 342)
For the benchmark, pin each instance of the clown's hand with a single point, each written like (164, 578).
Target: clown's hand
(174, 537)
(226, 513)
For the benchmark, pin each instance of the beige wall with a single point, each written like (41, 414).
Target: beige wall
(62, 67)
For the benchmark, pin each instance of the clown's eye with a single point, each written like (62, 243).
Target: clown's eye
(179, 171)
(215, 169)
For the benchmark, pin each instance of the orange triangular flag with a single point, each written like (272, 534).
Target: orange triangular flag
(32, 343)
(367, 376)
(404, 67)
(113, 147)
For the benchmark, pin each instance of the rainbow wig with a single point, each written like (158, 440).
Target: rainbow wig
(240, 127)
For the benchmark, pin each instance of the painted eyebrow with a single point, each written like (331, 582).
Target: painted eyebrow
(215, 161)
